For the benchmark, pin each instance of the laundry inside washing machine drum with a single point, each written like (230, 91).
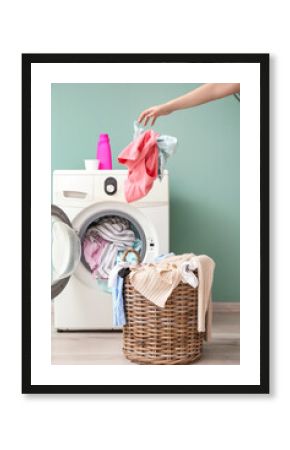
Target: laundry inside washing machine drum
(105, 238)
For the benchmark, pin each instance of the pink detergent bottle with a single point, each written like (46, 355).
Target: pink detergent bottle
(104, 154)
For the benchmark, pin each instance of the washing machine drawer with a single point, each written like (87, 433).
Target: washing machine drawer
(73, 189)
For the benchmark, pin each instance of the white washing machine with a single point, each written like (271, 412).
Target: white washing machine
(81, 197)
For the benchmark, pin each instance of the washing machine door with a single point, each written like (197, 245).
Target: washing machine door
(65, 250)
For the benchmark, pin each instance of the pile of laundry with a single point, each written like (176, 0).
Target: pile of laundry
(145, 158)
(105, 243)
(156, 282)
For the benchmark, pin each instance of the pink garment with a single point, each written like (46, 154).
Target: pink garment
(141, 158)
(93, 250)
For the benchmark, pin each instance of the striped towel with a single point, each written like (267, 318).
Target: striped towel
(156, 281)
(116, 232)
(108, 260)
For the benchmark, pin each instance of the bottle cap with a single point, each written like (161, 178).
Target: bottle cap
(104, 136)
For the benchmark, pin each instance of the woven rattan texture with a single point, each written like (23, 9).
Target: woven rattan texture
(167, 335)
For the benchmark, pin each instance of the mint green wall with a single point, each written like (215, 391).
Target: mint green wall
(204, 173)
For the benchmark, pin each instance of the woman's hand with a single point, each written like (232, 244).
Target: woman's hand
(203, 94)
(154, 112)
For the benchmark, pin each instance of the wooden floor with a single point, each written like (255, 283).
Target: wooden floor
(106, 347)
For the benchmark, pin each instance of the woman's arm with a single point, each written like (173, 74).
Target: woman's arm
(203, 94)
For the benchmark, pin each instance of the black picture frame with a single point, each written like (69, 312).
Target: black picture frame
(263, 61)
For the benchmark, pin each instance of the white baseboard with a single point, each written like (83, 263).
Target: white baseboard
(226, 306)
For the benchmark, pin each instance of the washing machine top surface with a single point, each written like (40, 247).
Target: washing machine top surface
(87, 186)
(113, 172)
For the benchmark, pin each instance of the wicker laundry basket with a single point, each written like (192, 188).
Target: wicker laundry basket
(168, 335)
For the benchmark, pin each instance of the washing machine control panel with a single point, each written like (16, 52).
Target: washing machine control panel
(111, 186)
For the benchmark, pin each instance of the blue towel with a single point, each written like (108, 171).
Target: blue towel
(164, 256)
(119, 318)
(166, 148)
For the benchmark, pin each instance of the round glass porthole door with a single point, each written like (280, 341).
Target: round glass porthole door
(65, 250)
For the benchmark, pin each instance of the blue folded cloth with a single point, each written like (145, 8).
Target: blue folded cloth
(166, 148)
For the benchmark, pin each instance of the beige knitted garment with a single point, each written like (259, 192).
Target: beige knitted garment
(156, 281)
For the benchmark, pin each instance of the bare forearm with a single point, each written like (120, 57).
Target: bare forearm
(203, 94)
